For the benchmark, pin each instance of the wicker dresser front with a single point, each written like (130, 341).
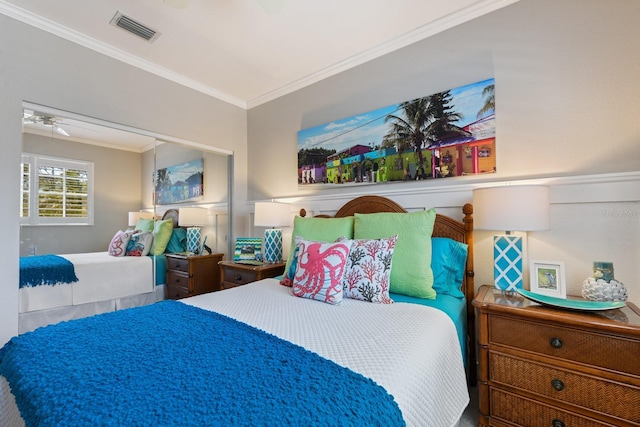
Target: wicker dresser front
(542, 366)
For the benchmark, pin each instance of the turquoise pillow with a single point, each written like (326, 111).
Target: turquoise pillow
(177, 241)
(448, 262)
(320, 230)
(411, 272)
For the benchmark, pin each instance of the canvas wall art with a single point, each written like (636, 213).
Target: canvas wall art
(447, 134)
(180, 183)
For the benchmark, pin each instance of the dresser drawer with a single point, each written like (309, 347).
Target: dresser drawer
(524, 412)
(238, 277)
(614, 353)
(180, 264)
(177, 292)
(177, 279)
(597, 394)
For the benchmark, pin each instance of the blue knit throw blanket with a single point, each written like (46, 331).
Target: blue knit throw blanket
(46, 270)
(170, 364)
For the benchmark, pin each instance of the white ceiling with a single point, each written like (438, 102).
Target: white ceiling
(248, 52)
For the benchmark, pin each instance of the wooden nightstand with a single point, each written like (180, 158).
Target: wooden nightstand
(192, 275)
(236, 274)
(542, 366)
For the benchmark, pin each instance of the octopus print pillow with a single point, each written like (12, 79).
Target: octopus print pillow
(118, 245)
(319, 270)
(369, 270)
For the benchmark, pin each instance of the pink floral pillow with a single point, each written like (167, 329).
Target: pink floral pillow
(369, 270)
(319, 270)
(118, 245)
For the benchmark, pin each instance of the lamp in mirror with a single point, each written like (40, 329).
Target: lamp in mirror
(510, 208)
(273, 215)
(134, 217)
(193, 218)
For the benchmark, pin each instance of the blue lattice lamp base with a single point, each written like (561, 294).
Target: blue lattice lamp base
(193, 239)
(507, 266)
(273, 245)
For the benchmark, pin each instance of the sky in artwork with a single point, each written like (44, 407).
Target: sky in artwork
(370, 128)
(182, 171)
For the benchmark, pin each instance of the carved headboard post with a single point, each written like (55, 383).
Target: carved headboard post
(470, 290)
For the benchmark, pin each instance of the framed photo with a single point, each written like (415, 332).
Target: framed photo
(248, 249)
(547, 278)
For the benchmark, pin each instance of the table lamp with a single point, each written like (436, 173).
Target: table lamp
(193, 219)
(135, 216)
(273, 215)
(510, 208)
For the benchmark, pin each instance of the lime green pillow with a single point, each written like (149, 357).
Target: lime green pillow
(144, 224)
(411, 272)
(320, 230)
(162, 231)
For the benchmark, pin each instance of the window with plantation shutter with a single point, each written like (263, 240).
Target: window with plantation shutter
(56, 191)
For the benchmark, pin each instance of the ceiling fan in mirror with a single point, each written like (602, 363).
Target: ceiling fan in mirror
(46, 120)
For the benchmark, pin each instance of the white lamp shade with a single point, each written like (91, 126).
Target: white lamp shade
(135, 216)
(272, 214)
(511, 208)
(193, 217)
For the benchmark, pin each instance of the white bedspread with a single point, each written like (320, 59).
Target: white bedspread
(101, 277)
(410, 350)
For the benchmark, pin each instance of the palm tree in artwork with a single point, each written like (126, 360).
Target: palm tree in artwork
(490, 101)
(163, 179)
(423, 123)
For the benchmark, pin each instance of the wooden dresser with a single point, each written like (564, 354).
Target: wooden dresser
(544, 366)
(192, 275)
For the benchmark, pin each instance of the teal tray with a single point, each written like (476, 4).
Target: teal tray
(572, 304)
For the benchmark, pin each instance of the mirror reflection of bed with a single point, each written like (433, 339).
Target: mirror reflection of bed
(121, 162)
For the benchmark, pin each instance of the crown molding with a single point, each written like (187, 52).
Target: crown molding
(420, 33)
(66, 33)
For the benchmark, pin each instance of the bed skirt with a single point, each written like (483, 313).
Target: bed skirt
(31, 320)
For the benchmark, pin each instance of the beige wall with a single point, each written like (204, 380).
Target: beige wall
(44, 69)
(117, 189)
(567, 90)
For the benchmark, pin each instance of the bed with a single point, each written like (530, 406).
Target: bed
(251, 355)
(96, 283)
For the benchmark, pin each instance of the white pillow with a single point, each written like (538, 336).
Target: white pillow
(119, 242)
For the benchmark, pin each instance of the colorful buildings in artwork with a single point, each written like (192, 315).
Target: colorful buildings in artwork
(456, 156)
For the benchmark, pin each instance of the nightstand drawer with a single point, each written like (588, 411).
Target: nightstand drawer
(616, 354)
(525, 412)
(597, 394)
(239, 277)
(177, 279)
(181, 264)
(177, 292)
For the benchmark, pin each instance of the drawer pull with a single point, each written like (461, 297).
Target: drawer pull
(556, 343)
(238, 278)
(557, 423)
(557, 384)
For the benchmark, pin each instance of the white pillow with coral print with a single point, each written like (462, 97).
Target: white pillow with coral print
(369, 270)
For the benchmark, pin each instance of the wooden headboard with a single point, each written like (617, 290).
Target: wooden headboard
(444, 227)
(173, 214)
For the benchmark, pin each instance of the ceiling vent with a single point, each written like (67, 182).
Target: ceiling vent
(134, 27)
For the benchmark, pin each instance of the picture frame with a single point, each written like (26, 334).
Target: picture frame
(248, 249)
(179, 183)
(548, 278)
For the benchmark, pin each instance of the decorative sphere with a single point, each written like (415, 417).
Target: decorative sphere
(600, 290)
